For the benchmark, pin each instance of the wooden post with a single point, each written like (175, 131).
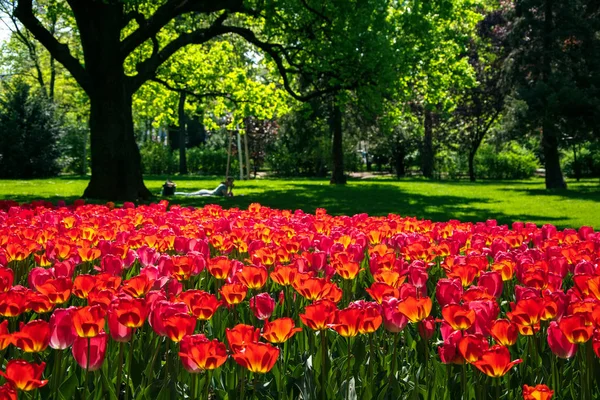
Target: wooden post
(247, 155)
(228, 155)
(240, 156)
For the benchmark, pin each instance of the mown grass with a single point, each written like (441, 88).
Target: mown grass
(505, 201)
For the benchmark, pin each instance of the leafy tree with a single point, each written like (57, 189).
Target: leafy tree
(29, 130)
(554, 67)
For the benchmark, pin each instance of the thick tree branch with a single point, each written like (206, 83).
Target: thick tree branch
(147, 69)
(278, 56)
(168, 11)
(60, 51)
(199, 96)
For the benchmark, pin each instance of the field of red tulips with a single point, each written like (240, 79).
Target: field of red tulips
(166, 302)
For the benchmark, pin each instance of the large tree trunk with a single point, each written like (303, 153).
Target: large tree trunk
(554, 176)
(337, 151)
(116, 161)
(427, 148)
(182, 135)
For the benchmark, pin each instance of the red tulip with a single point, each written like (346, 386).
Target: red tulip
(262, 306)
(415, 309)
(83, 285)
(576, 328)
(88, 321)
(23, 375)
(130, 312)
(319, 315)
(495, 361)
(240, 336)
(426, 328)
(12, 303)
(7, 277)
(33, 337)
(161, 310)
(257, 357)
(537, 392)
(202, 305)
(220, 267)
(7, 392)
(137, 286)
(280, 330)
(504, 332)
(381, 291)
(5, 335)
(492, 281)
(371, 319)
(58, 290)
(449, 353)
(526, 313)
(179, 325)
(558, 342)
(198, 354)
(62, 331)
(118, 331)
(393, 320)
(38, 303)
(471, 347)
(97, 351)
(448, 291)
(347, 322)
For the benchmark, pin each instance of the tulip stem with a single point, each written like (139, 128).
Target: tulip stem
(55, 374)
(371, 357)
(348, 373)
(243, 384)
(119, 369)
(463, 381)
(87, 370)
(323, 364)
(394, 359)
(207, 386)
(129, 362)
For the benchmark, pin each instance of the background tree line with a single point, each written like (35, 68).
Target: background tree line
(449, 88)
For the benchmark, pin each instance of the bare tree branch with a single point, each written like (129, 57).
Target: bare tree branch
(60, 51)
(199, 96)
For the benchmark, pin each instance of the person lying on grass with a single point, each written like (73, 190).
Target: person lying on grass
(224, 189)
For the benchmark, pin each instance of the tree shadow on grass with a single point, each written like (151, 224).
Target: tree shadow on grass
(588, 193)
(371, 199)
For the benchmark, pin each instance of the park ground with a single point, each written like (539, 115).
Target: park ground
(505, 201)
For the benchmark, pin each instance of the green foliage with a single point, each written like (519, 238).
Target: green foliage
(29, 131)
(74, 146)
(204, 160)
(588, 161)
(511, 162)
(158, 159)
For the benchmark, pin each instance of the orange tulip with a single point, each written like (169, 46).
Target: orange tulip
(284, 275)
(415, 309)
(202, 305)
(33, 337)
(58, 290)
(23, 375)
(199, 354)
(88, 321)
(220, 267)
(178, 325)
(257, 357)
(537, 392)
(319, 315)
(495, 361)
(460, 317)
(233, 293)
(380, 291)
(131, 312)
(279, 330)
(504, 332)
(576, 328)
(253, 277)
(137, 286)
(241, 335)
(347, 321)
(83, 285)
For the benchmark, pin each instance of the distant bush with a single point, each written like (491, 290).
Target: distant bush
(206, 161)
(29, 132)
(511, 162)
(158, 159)
(588, 161)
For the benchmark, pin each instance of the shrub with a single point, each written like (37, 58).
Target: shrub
(29, 132)
(158, 159)
(511, 162)
(208, 161)
(588, 161)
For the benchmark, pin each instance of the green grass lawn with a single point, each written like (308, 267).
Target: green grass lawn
(506, 201)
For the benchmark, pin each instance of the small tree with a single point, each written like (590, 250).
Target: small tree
(29, 130)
